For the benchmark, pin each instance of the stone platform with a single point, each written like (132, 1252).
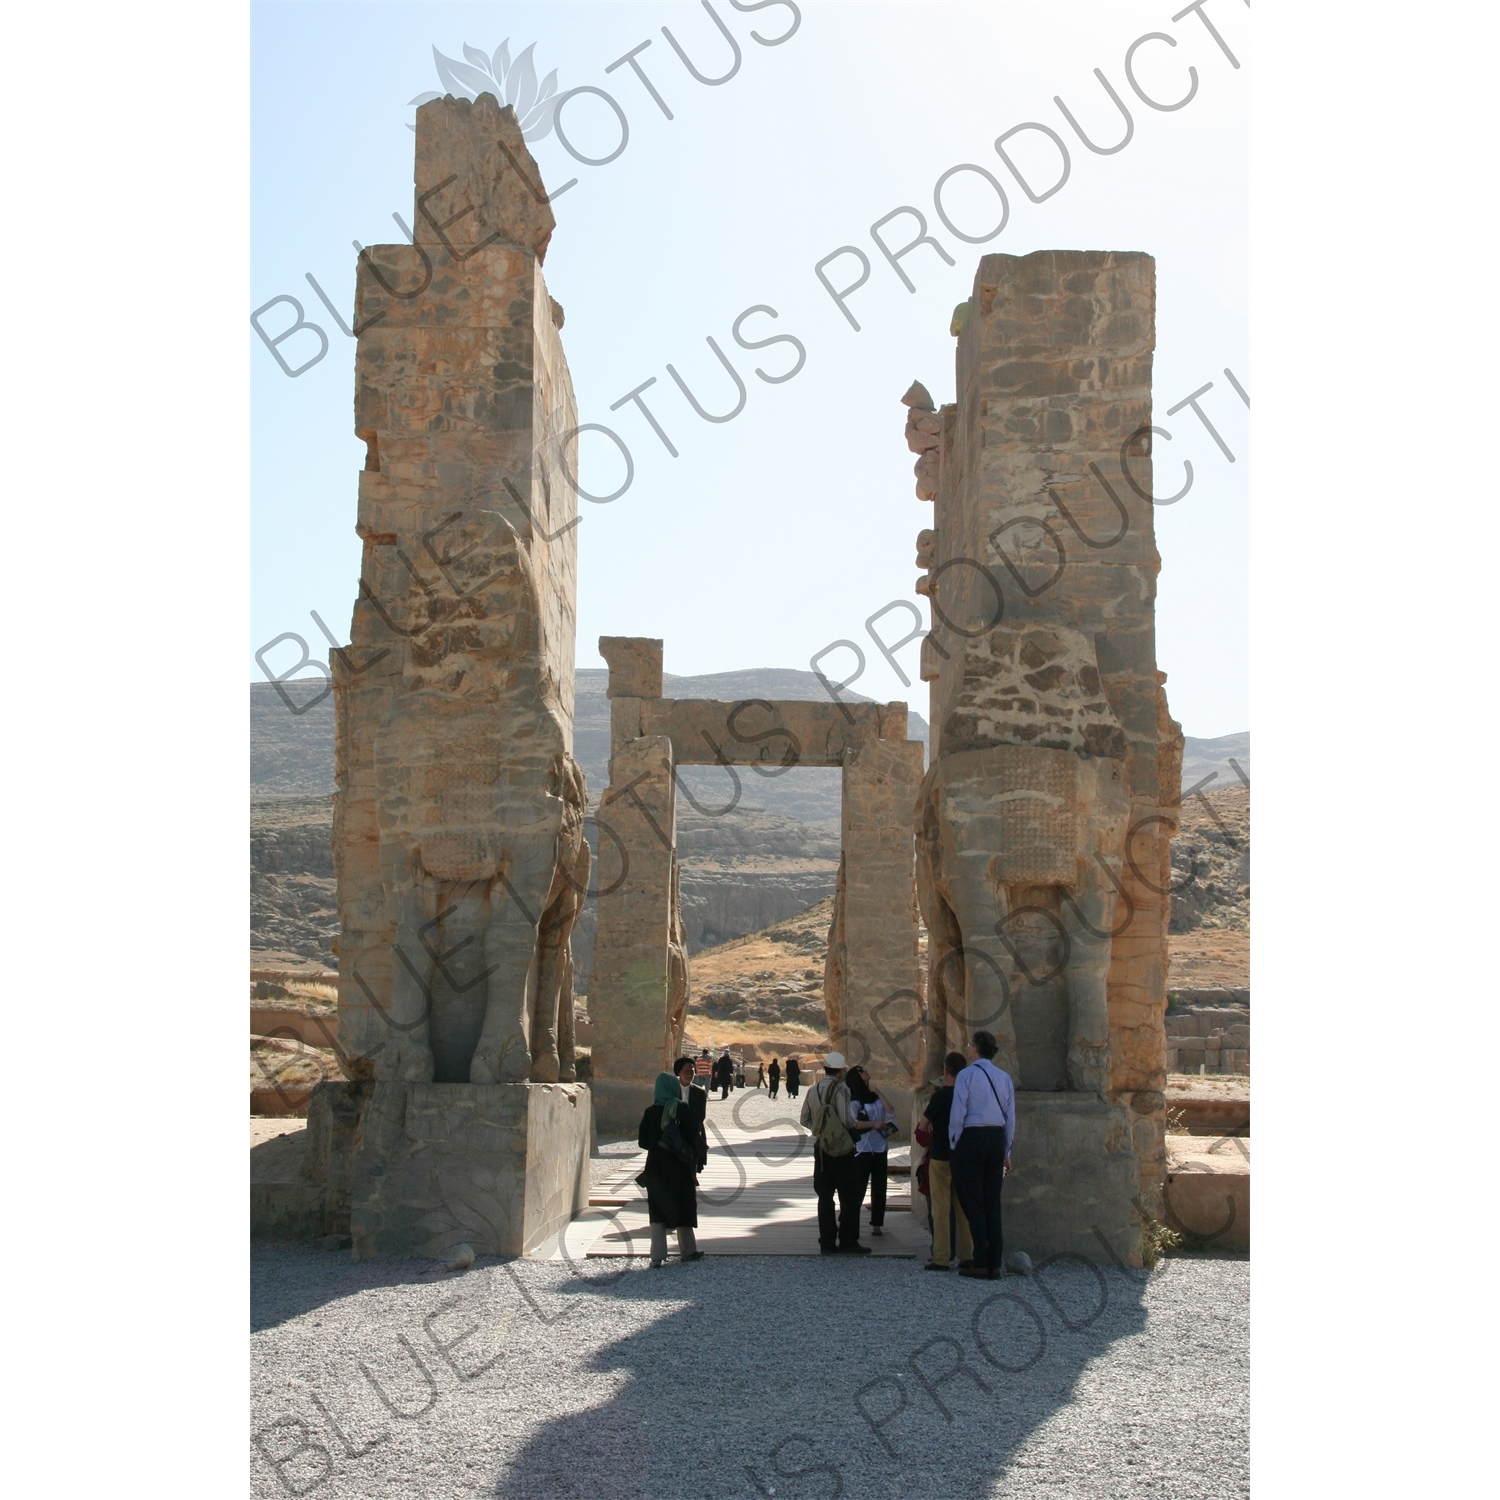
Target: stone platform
(1208, 1189)
(420, 1167)
(1209, 1105)
(1074, 1176)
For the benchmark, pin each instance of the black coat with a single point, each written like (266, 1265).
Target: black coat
(671, 1184)
(794, 1071)
(774, 1071)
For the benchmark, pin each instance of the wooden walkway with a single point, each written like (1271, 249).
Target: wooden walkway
(755, 1197)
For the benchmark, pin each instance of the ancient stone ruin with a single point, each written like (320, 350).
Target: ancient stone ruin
(458, 826)
(1036, 845)
(638, 998)
(1045, 818)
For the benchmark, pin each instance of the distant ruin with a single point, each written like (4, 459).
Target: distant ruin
(638, 997)
(1045, 817)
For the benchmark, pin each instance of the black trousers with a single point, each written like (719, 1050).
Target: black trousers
(978, 1170)
(837, 1175)
(873, 1173)
(775, 1083)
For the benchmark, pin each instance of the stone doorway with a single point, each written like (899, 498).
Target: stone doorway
(641, 981)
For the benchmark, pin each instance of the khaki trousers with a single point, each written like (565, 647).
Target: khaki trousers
(940, 1182)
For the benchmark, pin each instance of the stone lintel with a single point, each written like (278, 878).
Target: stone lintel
(754, 731)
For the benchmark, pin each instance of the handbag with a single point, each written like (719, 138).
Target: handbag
(675, 1142)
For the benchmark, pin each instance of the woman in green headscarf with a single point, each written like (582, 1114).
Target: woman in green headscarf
(670, 1128)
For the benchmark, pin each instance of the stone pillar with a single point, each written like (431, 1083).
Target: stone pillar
(872, 986)
(637, 965)
(1041, 570)
(458, 826)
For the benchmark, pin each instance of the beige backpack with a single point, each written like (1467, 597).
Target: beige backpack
(832, 1134)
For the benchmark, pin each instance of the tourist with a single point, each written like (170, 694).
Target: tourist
(760, 1075)
(697, 1100)
(739, 1073)
(947, 1211)
(676, 1147)
(703, 1070)
(870, 1158)
(981, 1127)
(793, 1077)
(830, 1114)
(725, 1074)
(775, 1076)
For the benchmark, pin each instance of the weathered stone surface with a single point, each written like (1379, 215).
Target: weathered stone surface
(1021, 852)
(1073, 1172)
(1050, 924)
(872, 981)
(459, 849)
(458, 823)
(475, 177)
(632, 983)
(500, 1167)
(634, 667)
(762, 733)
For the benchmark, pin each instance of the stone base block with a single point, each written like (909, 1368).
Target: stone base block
(1211, 1207)
(1073, 1170)
(619, 1104)
(431, 1165)
(286, 1211)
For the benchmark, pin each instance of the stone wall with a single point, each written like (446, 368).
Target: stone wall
(1209, 1030)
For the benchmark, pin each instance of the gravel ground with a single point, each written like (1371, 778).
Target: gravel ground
(528, 1379)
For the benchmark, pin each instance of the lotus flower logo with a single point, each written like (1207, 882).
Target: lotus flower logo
(512, 83)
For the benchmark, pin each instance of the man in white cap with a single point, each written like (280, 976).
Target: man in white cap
(829, 1112)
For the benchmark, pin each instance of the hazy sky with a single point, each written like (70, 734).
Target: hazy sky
(774, 534)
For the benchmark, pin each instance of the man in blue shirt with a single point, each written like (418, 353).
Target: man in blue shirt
(981, 1127)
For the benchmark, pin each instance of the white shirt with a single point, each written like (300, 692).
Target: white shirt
(871, 1142)
(976, 1103)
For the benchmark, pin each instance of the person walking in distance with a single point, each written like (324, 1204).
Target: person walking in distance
(773, 1073)
(829, 1112)
(945, 1204)
(703, 1072)
(793, 1077)
(676, 1147)
(981, 1128)
(726, 1074)
(760, 1075)
(870, 1150)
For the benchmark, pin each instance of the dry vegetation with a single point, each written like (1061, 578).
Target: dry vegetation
(282, 1063)
(762, 994)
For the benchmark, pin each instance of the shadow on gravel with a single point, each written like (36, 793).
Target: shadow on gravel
(288, 1279)
(812, 1378)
